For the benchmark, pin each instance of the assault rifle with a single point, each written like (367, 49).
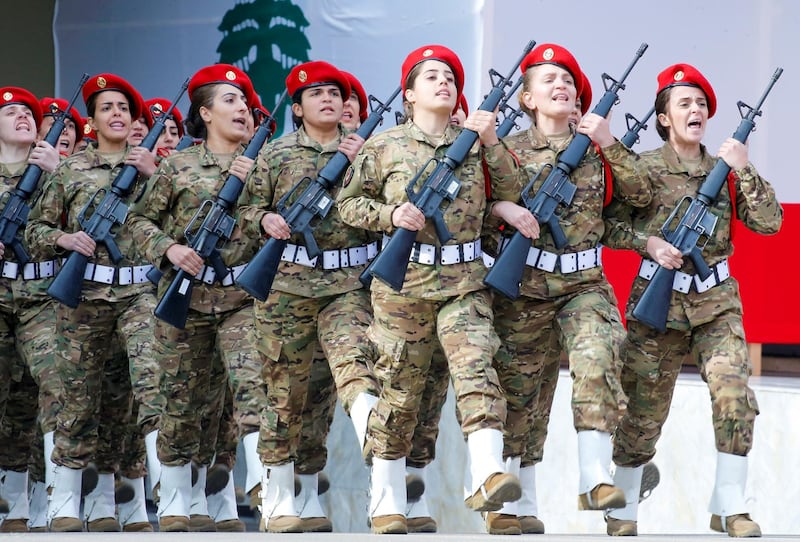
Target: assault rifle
(209, 238)
(314, 202)
(554, 195)
(14, 216)
(694, 227)
(510, 114)
(106, 217)
(631, 137)
(439, 188)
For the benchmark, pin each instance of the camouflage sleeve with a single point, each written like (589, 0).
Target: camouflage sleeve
(756, 203)
(256, 198)
(149, 214)
(619, 231)
(631, 182)
(45, 219)
(360, 201)
(504, 172)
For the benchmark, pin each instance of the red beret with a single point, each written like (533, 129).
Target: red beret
(258, 106)
(316, 73)
(359, 91)
(550, 53)
(434, 52)
(223, 73)
(50, 106)
(146, 114)
(586, 94)
(462, 104)
(108, 81)
(161, 105)
(687, 75)
(16, 95)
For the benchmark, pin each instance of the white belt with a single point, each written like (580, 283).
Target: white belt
(449, 254)
(208, 275)
(136, 274)
(683, 281)
(30, 271)
(567, 263)
(331, 259)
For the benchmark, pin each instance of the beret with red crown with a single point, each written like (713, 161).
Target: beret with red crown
(17, 95)
(359, 91)
(108, 81)
(223, 73)
(550, 53)
(433, 52)
(314, 74)
(687, 75)
(50, 106)
(162, 105)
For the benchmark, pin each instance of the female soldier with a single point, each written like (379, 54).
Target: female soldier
(356, 107)
(705, 317)
(313, 303)
(27, 327)
(73, 124)
(442, 296)
(565, 302)
(219, 317)
(115, 304)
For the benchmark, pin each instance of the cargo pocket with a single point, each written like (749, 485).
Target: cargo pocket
(390, 349)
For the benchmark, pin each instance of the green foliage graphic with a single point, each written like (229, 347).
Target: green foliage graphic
(265, 38)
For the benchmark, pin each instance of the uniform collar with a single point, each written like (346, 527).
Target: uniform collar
(305, 140)
(674, 164)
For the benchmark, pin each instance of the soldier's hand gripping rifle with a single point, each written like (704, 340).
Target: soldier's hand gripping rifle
(439, 188)
(16, 209)
(694, 224)
(554, 195)
(631, 137)
(313, 203)
(209, 238)
(107, 215)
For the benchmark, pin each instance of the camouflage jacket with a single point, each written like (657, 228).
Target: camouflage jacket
(582, 221)
(280, 165)
(65, 195)
(756, 206)
(376, 184)
(175, 192)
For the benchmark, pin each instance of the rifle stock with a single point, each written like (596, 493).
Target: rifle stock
(695, 224)
(256, 279)
(14, 216)
(109, 213)
(212, 234)
(557, 190)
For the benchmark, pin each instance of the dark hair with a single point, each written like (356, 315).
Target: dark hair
(408, 107)
(526, 87)
(201, 97)
(662, 101)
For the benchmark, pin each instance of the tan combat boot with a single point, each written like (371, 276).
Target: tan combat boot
(502, 523)
(728, 503)
(738, 526)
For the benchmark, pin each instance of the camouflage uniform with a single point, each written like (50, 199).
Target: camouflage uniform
(32, 384)
(120, 310)
(707, 325)
(308, 308)
(217, 336)
(444, 301)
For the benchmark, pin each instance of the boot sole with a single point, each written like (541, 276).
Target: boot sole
(508, 490)
(650, 479)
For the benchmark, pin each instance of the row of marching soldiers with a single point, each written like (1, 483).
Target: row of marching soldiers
(133, 395)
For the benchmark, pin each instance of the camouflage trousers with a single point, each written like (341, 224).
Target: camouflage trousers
(294, 336)
(405, 331)
(533, 333)
(193, 380)
(651, 364)
(101, 340)
(423, 441)
(534, 451)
